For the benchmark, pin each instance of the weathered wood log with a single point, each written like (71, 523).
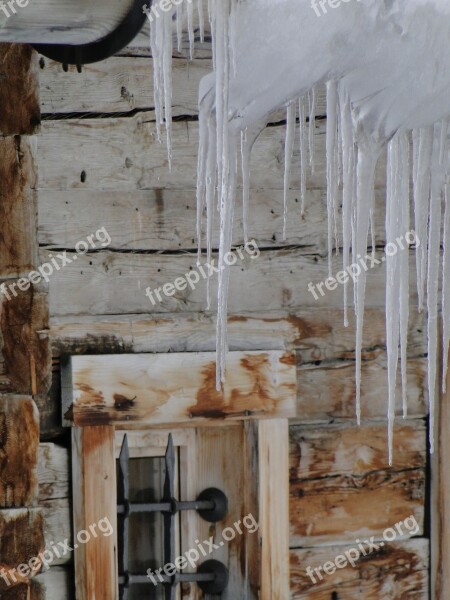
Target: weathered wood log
(26, 354)
(19, 92)
(53, 22)
(177, 388)
(123, 154)
(115, 283)
(19, 441)
(123, 83)
(399, 570)
(53, 472)
(21, 539)
(340, 475)
(18, 248)
(155, 220)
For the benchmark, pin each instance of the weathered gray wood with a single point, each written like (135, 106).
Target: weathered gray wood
(19, 441)
(115, 283)
(124, 154)
(166, 219)
(56, 584)
(124, 83)
(399, 571)
(53, 472)
(340, 476)
(316, 334)
(58, 521)
(74, 22)
(175, 388)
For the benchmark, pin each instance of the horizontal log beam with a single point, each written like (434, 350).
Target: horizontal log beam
(177, 388)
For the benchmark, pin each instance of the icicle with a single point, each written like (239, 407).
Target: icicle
(161, 48)
(392, 280)
(190, 19)
(201, 20)
(203, 152)
(348, 171)
(312, 128)
(446, 292)
(422, 145)
(368, 153)
(211, 181)
(179, 18)
(248, 139)
(288, 154)
(437, 183)
(397, 271)
(332, 169)
(303, 153)
(404, 227)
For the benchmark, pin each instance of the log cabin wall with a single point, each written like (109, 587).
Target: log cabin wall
(101, 166)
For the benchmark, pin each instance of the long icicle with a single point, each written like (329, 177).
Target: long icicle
(422, 147)
(368, 152)
(437, 183)
(288, 155)
(312, 128)
(332, 168)
(393, 210)
(404, 226)
(303, 152)
(348, 171)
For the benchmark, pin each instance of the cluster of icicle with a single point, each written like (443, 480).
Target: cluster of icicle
(420, 156)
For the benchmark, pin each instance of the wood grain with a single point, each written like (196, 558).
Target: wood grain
(340, 476)
(19, 441)
(176, 388)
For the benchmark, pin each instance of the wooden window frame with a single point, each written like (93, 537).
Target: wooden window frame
(250, 420)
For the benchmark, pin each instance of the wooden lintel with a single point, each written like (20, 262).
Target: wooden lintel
(157, 389)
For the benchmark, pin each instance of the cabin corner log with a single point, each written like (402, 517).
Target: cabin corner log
(19, 442)
(19, 91)
(26, 348)
(21, 539)
(177, 388)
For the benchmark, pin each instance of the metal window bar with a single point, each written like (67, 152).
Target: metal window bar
(212, 505)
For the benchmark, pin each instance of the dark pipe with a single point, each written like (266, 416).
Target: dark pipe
(107, 46)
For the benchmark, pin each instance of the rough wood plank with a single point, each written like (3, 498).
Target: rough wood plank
(56, 584)
(26, 354)
(21, 538)
(332, 386)
(94, 499)
(155, 220)
(324, 350)
(58, 527)
(124, 154)
(340, 476)
(273, 456)
(18, 247)
(118, 84)
(174, 388)
(215, 446)
(315, 334)
(398, 571)
(19, 92)
(115, 283)
(19, 441)
(53, 471)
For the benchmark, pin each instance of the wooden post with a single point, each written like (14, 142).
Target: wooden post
(273, 453)
(94, 501)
